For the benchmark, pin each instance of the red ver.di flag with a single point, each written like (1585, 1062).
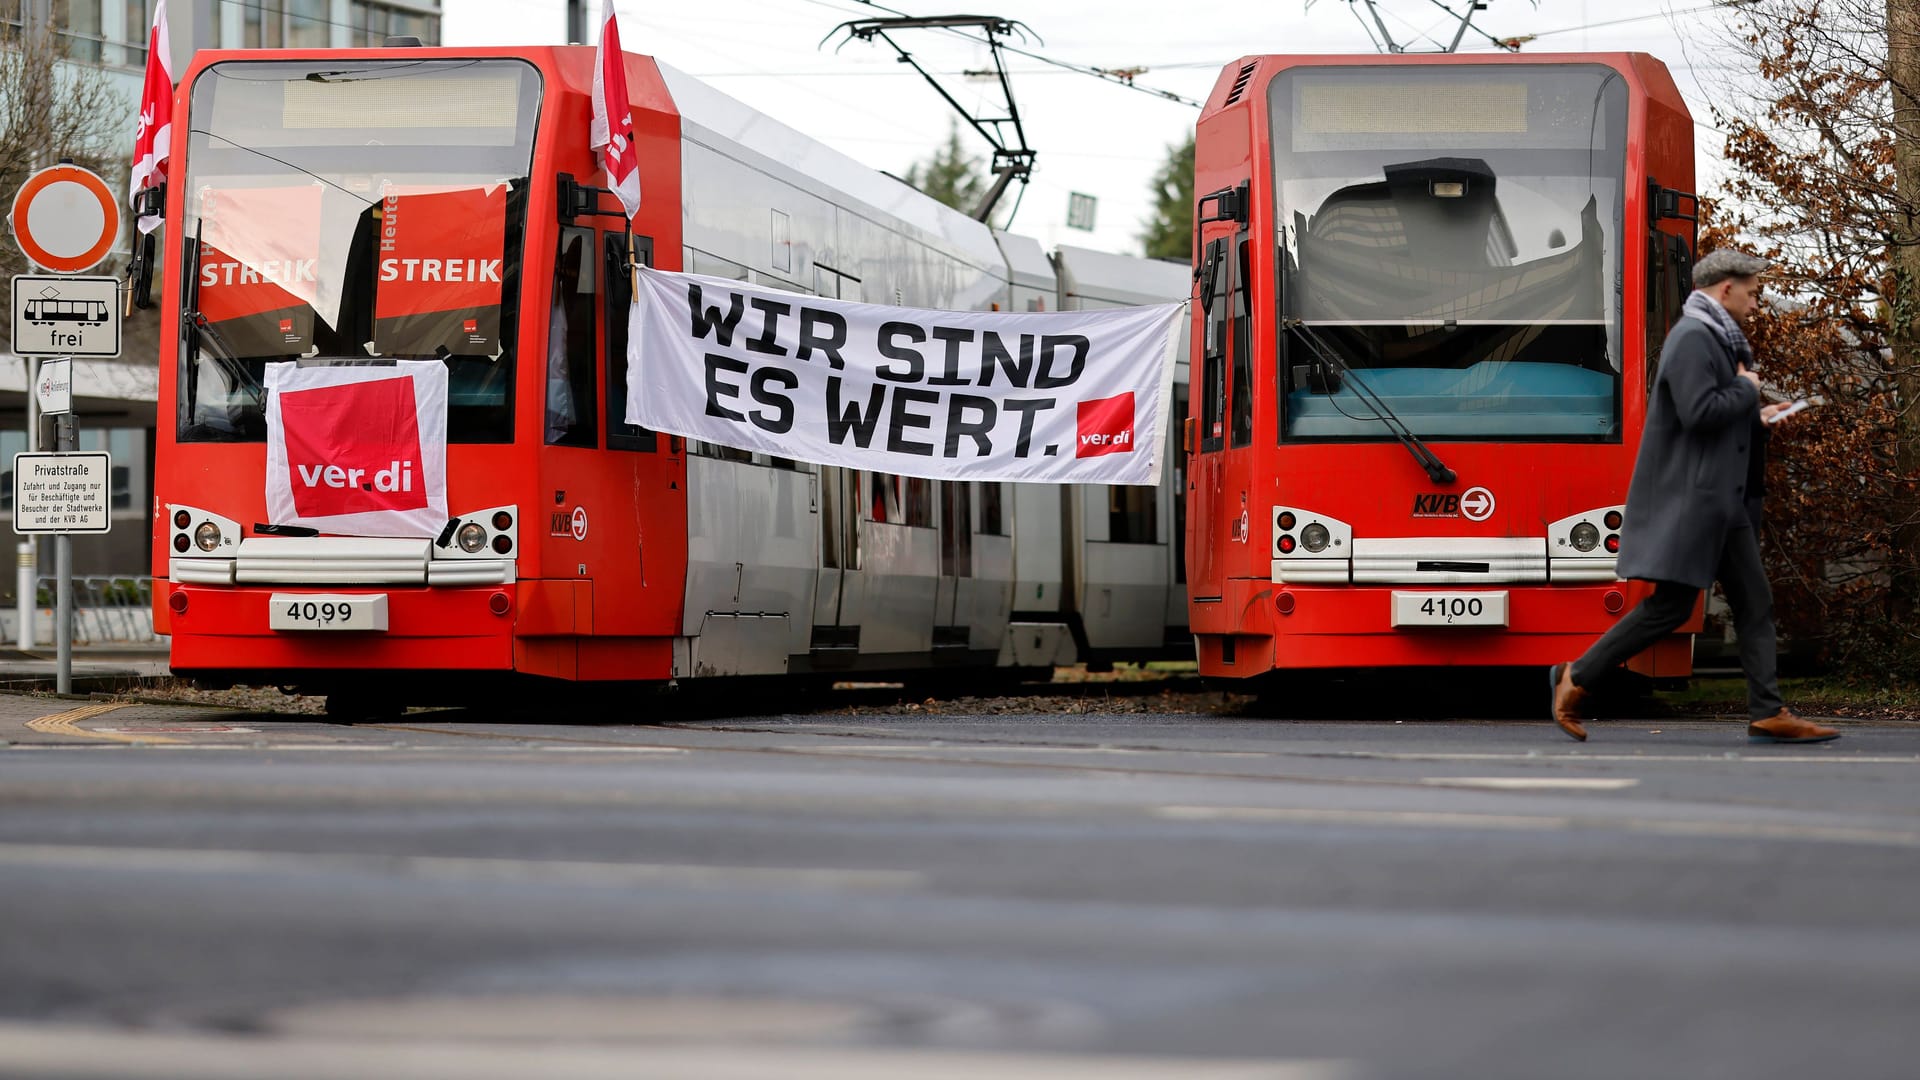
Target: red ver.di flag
(258, 267)
(611, 131)
(438, 287)
(153, 137)
(358, 451)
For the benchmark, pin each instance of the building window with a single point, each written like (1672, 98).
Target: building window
(261, 24)
(373, 24)
(77, 22)
(307, 24)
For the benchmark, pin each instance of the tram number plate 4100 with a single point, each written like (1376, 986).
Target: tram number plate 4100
(1449, 609)
(327, 611)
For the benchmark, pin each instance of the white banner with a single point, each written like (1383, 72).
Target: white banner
(1077, 397)
(358, 450)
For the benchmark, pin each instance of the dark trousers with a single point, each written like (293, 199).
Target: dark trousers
(1745, 582)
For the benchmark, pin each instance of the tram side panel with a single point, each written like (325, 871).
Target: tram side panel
(1126, 588)
(1039, 635)
(847, 569)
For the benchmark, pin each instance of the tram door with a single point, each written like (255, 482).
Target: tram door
(839, 509)
(839, 599)
(953, 598)
(1213, 517)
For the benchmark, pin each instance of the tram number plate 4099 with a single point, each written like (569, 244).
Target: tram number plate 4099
(1449, 609)
(327, 611)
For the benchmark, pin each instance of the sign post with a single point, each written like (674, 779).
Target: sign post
(65, 219)
(62, 492)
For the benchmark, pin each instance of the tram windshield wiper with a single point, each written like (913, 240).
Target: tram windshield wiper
(198, 328)
(1324, 354)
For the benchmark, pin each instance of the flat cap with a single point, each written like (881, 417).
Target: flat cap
(1722, 263)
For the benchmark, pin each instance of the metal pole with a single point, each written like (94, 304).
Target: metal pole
(63, 601)
(64, 439)
(26, 577)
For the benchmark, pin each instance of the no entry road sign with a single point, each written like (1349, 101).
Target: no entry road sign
(65, 218)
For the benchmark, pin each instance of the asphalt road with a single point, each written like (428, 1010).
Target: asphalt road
(187, 892)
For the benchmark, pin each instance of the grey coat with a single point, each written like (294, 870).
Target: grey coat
(1690, 481)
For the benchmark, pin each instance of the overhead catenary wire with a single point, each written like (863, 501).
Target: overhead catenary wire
(1085, 69)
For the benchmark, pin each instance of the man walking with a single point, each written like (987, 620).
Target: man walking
(1694, 507)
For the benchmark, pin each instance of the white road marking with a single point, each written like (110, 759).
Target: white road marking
(1723, 830)
(1418, 818)
(542, 871)
(68, 1051)
(1741, 756)
(1532, 783)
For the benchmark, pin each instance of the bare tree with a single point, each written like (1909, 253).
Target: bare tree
(1823, 130)
(49, 110)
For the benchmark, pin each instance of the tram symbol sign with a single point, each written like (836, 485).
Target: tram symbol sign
(65, 316)
(65, 218)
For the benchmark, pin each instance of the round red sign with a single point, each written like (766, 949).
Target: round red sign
(65, 218)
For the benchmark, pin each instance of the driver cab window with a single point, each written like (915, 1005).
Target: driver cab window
(571, 416)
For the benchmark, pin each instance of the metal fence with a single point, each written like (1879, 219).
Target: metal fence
(106, 608)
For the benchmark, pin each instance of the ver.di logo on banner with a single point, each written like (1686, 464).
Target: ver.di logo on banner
(358, 450)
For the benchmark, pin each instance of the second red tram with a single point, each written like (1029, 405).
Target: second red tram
(1430, 294)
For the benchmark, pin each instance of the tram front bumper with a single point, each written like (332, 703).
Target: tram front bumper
(241, 628)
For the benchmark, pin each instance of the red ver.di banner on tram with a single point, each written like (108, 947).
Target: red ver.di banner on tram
(153, 138)
(360, 451)
(441, 253)
(612, 129)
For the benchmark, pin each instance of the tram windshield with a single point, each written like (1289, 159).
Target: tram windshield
(353, 212)
(1451, 237)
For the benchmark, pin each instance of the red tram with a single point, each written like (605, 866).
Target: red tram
(1432, 290)
(399, 206)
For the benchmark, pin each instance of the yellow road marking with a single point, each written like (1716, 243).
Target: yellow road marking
(63, 724)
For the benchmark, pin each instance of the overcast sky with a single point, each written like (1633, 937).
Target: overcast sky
(1090, 136)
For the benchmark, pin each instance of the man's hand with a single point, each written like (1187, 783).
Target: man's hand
(1748, 375)
(1768, 412)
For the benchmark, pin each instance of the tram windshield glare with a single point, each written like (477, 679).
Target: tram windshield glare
(353, 214)
(1453, 236)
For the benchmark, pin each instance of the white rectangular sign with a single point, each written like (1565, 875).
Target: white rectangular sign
(53, 387)
(54, 315)
(1449, 609)
(62, 492)
(1075, 397)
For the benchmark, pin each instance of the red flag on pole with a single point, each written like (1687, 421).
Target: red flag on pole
(153, 138)
(612, 130)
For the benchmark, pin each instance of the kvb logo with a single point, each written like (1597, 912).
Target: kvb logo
(354, 448)
(1106, 426)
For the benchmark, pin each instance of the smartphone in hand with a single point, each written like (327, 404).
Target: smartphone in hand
(1788, 411)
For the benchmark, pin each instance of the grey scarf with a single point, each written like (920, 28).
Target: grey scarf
(1708, 310)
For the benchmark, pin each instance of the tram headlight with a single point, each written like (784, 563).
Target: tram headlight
(471, 537)
(1315, 537)
(1584, 537)
(207, 536)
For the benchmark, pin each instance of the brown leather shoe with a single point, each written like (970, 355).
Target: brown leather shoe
(1568, 701)
(1784, 726)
